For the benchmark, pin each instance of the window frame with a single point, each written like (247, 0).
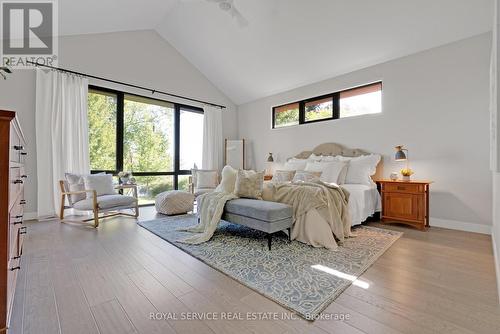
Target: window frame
(120, 106)
(302, 112)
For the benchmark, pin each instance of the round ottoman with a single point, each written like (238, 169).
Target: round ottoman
(174, 202)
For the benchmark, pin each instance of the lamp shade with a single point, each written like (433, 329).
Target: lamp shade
(400, 154)
(270, 158)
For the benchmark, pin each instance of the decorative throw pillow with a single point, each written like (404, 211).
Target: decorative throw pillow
(268, 191)
(360, 169)
(249, 184)
(75, 182)
(330, 171)
(206, 178)
(305, 176)
(101, 183)
(295, 164)
(281, 176)
(228, 180)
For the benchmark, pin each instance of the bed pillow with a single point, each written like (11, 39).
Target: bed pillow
(328, 158)
(314, 157)
(281, 176)
(101, 183)
(360, 169)
(249, 184)
(295, 164)
(228, 180)
(305, 176)
(330, 171)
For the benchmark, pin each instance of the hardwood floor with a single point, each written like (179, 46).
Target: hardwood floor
(75, 279)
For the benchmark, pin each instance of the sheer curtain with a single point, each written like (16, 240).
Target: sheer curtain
(212, 138)
(62, 140)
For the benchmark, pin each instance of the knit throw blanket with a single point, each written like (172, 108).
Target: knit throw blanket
(210, 209)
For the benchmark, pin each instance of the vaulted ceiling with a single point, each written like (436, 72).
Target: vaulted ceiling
(286, 43)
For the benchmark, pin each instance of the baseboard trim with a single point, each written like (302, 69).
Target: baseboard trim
(461, 226)
(30, 215)
(497, 261)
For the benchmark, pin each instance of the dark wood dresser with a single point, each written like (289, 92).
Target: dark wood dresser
(405, 202)
(12, 228)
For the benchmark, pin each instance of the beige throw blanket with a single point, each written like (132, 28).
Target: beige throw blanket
(210, 209)
(329, 200)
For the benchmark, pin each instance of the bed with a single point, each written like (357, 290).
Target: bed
(364, 200)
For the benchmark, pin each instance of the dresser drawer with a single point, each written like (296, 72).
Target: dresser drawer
(16, 223)
(15, 145)
(403, 187)
(14, 265)
(16, 182)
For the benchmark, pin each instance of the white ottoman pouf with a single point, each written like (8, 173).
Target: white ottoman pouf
(174, 202)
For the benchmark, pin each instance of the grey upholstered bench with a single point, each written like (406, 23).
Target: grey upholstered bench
(265, 216)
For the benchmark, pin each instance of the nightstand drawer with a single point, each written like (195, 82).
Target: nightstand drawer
(403, 187)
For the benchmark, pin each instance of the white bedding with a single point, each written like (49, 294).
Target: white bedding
(364, 201)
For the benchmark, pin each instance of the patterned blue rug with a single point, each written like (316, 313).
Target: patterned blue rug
(299, 277)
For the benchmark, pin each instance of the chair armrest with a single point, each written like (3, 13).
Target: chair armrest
(190, 184)
(79, 192)
(126, 186)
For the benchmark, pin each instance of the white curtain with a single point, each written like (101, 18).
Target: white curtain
(62, 140)
(212, 138)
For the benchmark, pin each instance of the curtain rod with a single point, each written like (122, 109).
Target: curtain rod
(126, 84)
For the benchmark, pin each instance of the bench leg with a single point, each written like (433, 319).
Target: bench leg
(269, 240)
(289, 234)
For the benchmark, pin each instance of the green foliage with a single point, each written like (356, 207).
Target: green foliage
(147, 133)
(147, 146)
(102, 131)
(288, 117)
(319, 111)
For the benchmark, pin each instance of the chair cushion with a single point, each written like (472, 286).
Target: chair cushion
(106, 202)
(200, 191)
(258, 209)
(174, 202)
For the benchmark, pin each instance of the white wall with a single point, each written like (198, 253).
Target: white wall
(495, 147)
(140, 57)
(434, 102)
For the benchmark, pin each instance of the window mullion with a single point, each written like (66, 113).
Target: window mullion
(336, 106)
(119, 131)
(177, 144)
(302, 112)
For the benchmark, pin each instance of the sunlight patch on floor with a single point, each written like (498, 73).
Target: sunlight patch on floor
(352, 278)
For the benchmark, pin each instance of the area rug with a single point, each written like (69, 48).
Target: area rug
(299, 277)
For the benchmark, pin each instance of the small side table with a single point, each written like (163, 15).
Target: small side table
(405, 202)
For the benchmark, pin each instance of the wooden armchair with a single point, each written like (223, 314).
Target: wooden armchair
(99, 204)
(209, 178)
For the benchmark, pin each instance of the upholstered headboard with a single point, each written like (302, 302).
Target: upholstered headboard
(332, 149)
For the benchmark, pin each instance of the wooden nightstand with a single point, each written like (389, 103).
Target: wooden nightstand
(405, 202)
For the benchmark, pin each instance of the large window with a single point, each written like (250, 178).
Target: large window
(158, 141)
(351, 102)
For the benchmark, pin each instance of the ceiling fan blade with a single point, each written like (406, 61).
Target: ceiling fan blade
(242, 21)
